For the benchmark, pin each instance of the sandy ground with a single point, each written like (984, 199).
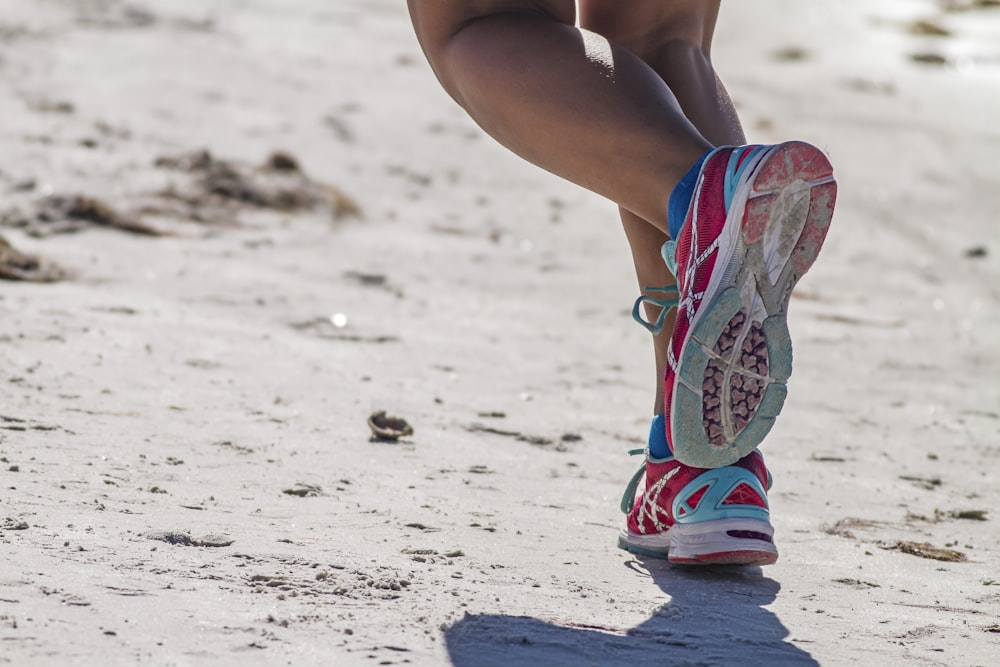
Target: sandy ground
(186, 467)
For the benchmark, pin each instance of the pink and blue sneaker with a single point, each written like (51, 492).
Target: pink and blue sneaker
(697, 516)
(756, 220)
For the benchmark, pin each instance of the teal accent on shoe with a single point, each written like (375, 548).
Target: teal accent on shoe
(691, 370)
(713, 318)
(669, 254)
(711, 323)
(691, 445)
(640, 551)
(779, 347)
(768, 410)
(668, 251)
(720, 482)
(628, 498)
(734, 173)
(666, 305)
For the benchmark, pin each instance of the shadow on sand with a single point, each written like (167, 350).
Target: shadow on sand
(715, 616)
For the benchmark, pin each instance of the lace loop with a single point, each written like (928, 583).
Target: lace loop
(666, 305)
(671, 294)
(629, 497)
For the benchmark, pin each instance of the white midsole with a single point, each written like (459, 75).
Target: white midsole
(705, 537)
(712, 537)
(695, 532)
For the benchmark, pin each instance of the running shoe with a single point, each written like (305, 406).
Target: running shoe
(755, 224)
(696, 516)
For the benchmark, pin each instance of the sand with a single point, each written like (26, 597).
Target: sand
(187, 467)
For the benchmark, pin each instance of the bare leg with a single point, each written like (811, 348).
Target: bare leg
(674, 38)
(561, 97)
(648, 103)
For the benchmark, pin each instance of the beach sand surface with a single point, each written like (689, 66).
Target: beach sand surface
(253, 223)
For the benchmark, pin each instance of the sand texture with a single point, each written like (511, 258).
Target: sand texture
(234, 230)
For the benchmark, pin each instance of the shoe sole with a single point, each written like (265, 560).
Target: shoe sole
(707, 543)
(730, 383)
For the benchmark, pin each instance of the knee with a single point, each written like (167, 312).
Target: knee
(654, 29)
(677, 55)
(442, 24)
